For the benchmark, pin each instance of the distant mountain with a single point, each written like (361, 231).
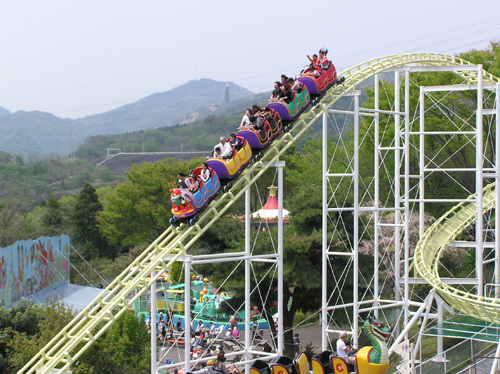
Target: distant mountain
(40, 134)
(4, 112)
(164, 108)
(35, 134)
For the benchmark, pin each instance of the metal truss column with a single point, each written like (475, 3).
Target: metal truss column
(324, 236)
(248, 260)
(152, 324)
(497, 190)
(354, 254)
(397, 187)
(479, 182)
(187, 313)
(406, 298)
(248, 264)
(480, 171)
(376, 196)
(397, 192)
(357, 217)
(280, 165)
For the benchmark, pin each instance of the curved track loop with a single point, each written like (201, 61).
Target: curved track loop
(103, 311)
(433, 243)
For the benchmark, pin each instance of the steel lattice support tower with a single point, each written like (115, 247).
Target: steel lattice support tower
(374, 201)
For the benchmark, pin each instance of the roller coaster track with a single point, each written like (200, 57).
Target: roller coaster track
(432, 244)
(69, 344)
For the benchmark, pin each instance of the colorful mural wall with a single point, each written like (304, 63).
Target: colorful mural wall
(31, 265)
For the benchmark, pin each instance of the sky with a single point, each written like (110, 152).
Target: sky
(74, 58)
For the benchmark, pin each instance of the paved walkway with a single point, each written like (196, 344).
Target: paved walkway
(308, 335)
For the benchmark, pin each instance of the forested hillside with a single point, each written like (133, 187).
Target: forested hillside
(199, 135)
(4, 112)
(39, 134)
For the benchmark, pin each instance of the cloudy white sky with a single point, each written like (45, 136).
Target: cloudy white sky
(78, 57)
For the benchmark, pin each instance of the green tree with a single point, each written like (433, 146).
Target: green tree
(86, 229)
(489, 58)
(138, 210)
(11, 221)
(22, 317)
(5, 157)
(26, 328)
(123, 350)
(45, 323)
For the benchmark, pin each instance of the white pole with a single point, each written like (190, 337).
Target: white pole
(152, 325)
(397, 191)
(324, 240)
(421, 228)
(428, 300)
(247, 280)
(479, 181)
(410, 324)
(412, 358)
(496, 361)
(439, 303)
(355, 299)
(376, 196)
(280, 165)
(187, 314)
(407, 198)
(497, 192)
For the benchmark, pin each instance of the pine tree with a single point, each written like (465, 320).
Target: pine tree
(86, 230)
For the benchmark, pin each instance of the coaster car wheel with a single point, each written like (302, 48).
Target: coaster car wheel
(227, 187)
(193, 220)
(174, 222)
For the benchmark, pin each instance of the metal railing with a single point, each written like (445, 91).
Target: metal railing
(460, 358)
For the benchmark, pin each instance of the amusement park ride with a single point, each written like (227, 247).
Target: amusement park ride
(204, 302)
(384, 193)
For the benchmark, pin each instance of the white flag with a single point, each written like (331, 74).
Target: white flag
(403, 349)
(405, 367)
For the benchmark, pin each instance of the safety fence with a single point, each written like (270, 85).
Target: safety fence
(461, 358)
(483, 364)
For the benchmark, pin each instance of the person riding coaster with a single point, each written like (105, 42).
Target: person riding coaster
(289, 112)
(371, 359)
(318, 84)
(254, 137)
(187, 202)
(259, 139)
(324, 75)
(226, 170)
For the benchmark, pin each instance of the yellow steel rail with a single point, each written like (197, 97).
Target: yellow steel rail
(69, 344)
(434, 241)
